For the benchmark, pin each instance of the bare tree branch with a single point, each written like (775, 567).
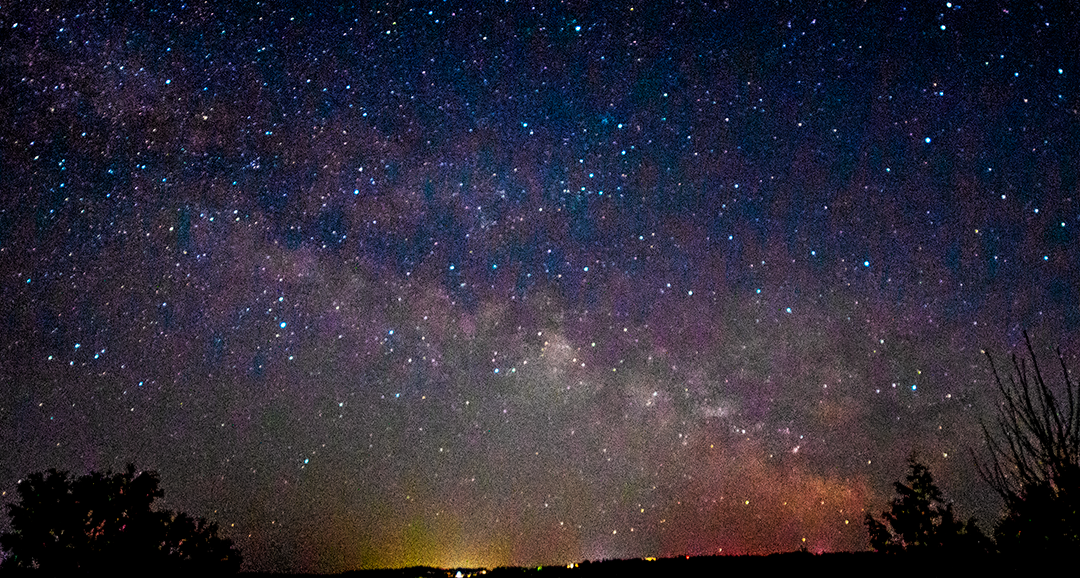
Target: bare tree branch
(1034, 460)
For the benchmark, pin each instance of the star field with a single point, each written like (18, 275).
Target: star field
(465, 284)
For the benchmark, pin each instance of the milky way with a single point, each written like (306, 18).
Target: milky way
(529, 283)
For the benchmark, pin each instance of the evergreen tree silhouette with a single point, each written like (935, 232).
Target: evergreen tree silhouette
(920, 520)
(103, 522)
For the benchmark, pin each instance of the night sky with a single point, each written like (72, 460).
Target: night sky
(535, 282)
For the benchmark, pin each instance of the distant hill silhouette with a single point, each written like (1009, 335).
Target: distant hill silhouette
(849, 563)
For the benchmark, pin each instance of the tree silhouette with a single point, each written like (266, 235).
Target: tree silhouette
(921, 520)
(1035, 463)
(104, 522)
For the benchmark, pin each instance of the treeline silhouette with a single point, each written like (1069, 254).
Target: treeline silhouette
(784, 564)
(103, 523)
(1034, 467)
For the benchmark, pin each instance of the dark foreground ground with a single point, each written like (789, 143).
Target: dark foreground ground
(861, 564)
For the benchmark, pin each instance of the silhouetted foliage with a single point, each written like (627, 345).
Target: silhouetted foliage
(105, 523)
(1035, 463)
(921, 521)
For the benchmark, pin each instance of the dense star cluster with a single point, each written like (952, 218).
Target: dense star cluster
(463, 283)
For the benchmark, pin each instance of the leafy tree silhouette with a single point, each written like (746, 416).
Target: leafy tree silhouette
(1035, 463)
(921, 521)
(104, 522)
